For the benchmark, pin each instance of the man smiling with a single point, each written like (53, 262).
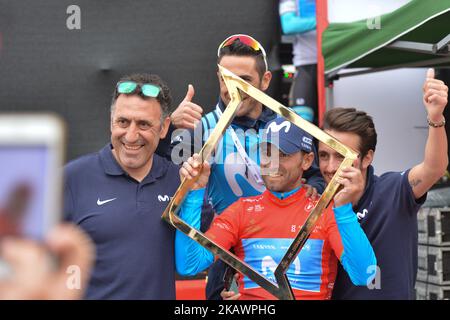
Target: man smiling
(387, 205)
(259, 228)
(118, 194)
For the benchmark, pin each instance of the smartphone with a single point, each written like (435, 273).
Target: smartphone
(31, 159)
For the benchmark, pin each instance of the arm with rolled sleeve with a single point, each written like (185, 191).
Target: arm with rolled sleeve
(352, 246)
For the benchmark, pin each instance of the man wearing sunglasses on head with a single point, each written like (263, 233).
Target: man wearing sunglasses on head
(118, 195)
(236, 171)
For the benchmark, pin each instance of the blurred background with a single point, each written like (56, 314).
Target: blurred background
(45, 66)
(52, 61)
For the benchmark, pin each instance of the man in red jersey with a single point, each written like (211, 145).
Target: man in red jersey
(261, 228)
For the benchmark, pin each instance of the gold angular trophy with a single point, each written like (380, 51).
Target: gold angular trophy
(281, 289)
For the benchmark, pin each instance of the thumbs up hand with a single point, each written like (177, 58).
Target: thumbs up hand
(435, 95)
(187, 114)
(190, 93)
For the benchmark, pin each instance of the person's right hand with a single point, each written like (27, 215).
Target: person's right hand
(192, 168)
(34, 275)
(187, 114)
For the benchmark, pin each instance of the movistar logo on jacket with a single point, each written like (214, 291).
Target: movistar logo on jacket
(304, 273)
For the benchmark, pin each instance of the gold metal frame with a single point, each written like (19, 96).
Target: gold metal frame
(281, 289)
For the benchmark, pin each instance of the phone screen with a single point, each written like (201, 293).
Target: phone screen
(23, 190)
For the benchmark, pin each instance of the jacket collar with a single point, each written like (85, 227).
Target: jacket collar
(370, 181)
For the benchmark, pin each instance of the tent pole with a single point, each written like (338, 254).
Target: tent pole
(322, 23)
(419, 64)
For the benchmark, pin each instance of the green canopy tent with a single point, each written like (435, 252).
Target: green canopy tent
(415, 35)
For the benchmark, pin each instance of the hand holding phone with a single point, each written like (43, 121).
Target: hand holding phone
(35, 277)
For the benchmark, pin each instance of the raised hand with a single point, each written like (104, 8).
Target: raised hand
(435, 95)
(187, 114)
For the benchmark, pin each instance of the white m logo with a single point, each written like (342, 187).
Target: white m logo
(269, 265)
(163, 198)
(273, 127)
(362, 215)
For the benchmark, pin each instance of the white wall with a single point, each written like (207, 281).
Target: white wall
(394, 100)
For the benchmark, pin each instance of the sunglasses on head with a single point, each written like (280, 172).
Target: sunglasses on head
(147, 89)
(245, 39)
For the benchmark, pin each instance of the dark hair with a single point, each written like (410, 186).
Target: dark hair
(164, 97)
(237, 48)
(354, 121)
